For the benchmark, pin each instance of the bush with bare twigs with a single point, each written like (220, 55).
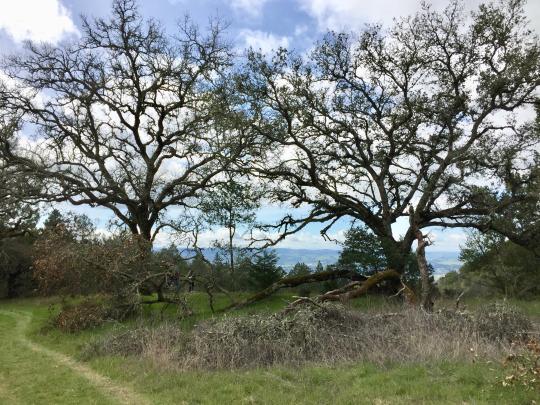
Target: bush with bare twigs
(84, 315)
(326, 333)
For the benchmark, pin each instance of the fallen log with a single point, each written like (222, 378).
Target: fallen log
(356, 288)
(350, 291)
(295, 281)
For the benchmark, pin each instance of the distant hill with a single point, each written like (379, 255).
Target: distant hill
(442, 262)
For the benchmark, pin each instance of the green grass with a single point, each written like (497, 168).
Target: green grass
(353, 384)
(27, 377)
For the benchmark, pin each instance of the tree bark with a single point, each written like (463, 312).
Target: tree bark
(425, 297)
(423, 267)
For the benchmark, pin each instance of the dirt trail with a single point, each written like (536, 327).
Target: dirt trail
(122, 394)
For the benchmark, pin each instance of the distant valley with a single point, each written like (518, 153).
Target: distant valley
(442, 262)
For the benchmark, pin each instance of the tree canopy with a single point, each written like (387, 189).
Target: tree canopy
(422, 115)
(128, 116)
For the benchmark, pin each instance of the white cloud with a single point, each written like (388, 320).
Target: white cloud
(446, 240)
(300, 30)
(36, 20)
(305, 239)
(533, 14)
(263, 41)
(352, 14)
(252, 7)
(300, 240)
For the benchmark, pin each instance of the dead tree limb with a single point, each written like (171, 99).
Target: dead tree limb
(408, 294)
(356, 289)
(301, 300)
(289, 282)
(352, 290)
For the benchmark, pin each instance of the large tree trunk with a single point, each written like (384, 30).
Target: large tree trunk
(232, 232)
(396, 254)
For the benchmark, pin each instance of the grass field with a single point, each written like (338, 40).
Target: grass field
(40, 368)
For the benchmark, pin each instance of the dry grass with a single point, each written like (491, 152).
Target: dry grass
(326, 334)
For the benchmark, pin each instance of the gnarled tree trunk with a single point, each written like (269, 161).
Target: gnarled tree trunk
(423, 267)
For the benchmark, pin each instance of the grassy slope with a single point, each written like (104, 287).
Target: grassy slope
(29, 378)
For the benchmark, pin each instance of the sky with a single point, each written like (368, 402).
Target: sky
(261, 24)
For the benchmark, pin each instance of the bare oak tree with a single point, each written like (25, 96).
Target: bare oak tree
(126, 118)
(417, 119)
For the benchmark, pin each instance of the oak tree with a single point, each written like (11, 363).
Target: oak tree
(127, 117)
(413, 121)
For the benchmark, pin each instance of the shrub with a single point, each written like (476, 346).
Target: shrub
(161, 343)
(524, 366)
(326, 333)
(85, 315)
(500, 321)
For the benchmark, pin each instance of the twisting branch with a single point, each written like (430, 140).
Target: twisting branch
(350, 291)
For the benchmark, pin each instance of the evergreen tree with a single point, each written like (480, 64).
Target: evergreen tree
(300, 269)
(264, 270)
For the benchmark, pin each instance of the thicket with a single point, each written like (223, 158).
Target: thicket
(327, 333)
(493, 266)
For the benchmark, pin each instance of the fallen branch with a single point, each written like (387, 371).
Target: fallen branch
(408, 294)
(356, 289)
(300, 300)
(349, 291)
(352, 290)
(295, 281)
(458, 300)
